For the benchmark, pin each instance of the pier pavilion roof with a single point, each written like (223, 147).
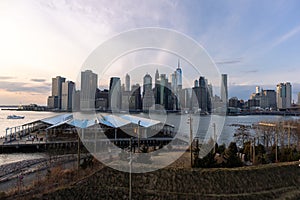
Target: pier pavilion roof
(114, 121)
(144, 122)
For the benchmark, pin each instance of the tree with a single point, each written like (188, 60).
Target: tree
(231, 156)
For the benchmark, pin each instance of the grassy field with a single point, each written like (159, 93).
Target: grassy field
(179, 181)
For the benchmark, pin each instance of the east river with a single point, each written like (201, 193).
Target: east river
(200, 126)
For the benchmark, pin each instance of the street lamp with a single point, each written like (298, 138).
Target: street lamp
(138, 134)
(190, 121)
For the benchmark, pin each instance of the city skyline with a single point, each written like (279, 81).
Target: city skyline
(42, 39)
(164, 92)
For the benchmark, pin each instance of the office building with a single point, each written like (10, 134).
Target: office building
(224, 89)
(89, 83)
(68, 89)
(115, 96)
(284, 95)
(201, 97)
(102, 99)
(127, 82)
(148, 96)
(266, 98)
(54, 101)
(76, 101)
(135, 102)
(178, 77)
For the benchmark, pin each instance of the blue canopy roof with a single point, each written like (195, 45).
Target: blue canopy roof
(113, 121)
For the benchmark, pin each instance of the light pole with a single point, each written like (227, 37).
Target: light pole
(191, 138)
(138, 134)
(215, 139)
(130, 166)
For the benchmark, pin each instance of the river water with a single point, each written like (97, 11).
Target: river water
(200, 126)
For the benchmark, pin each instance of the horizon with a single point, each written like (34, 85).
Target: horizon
(42, 40)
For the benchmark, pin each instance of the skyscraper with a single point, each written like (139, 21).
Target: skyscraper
(135, 102)
(54, 101)
(173, 82)
(115, 97)
(156, 76)
(163, 86)
(68, 89)
(89, 83)
(178, 77)
(148, 96)
(127, 83)
(147, 83)
(284, 95)
(224, 89)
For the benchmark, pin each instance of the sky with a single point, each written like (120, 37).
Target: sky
(257, 43)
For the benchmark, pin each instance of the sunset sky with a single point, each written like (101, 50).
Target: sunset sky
(254, 42)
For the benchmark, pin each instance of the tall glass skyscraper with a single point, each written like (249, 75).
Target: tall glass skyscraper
(54, 101)
(178, 76)
(115, 98)
(224, 89)
(89, 84)
(284, 95)
(127, 83)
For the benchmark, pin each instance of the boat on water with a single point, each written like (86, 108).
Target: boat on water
(15, 117)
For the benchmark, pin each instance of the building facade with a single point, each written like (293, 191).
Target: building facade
(115, 95)
(68, 89)
(284, 95)
(89, 84)
(224, 89)
(127, 82)
(54, 101)
(148, 96)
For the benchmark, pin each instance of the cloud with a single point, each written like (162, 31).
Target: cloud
(251, 71)
(38, 80)
(286, 36)
(6, 77)
(24, 87)
(228, 61)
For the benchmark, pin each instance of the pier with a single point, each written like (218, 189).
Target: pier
(62, 132)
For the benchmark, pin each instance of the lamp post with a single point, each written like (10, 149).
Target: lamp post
(190, 121)
(130, 168)
(138, 134)
(215, 139)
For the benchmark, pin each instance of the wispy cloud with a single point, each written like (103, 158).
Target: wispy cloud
(24, 87)
(229, 61)
(286, 36)
(38, 80)
(251, 71)
(6, 77)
